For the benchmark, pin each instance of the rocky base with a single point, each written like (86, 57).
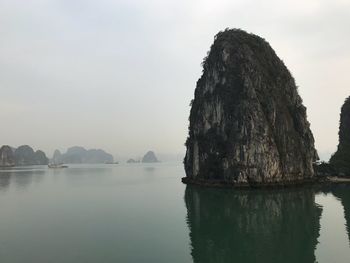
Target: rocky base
(225, 184)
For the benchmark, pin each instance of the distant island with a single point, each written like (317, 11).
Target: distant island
(78, 154)
(150, 157)
(248, 125)
(23, 155)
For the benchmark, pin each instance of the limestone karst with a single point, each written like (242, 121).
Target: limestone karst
(25, 155)
(149, 157)
(248, 124)
(341, 158)
(7, 158)
(78, 154)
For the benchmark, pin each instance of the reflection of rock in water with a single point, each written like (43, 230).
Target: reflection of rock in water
(20, 178)
(252, 226)
(343, 193)
(23, 179)
(4, 180)
(149, 169)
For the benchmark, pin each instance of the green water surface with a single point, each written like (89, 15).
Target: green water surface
(143, 213)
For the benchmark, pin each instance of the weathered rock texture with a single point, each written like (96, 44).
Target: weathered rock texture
(149, 157)
(341, 159)
(7, 159)
(247, 122)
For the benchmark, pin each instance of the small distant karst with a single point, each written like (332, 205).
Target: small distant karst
(248, 125)
(150, 157)
(340, 160)
(78, 154)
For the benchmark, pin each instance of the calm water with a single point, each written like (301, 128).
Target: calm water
(142, 213)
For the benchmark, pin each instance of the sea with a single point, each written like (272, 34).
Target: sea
(143, 213)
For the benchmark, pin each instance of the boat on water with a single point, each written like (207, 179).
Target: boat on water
(56, 166)
(111, 162)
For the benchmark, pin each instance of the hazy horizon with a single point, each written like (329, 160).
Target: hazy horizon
(119, 75)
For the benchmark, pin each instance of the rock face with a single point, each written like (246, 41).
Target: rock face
(341, 159)
(79, 154)
(25, 155)
(247, 122)
(150, 157)
(7, 159)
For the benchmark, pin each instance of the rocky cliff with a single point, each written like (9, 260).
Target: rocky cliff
(150, 157)
(25, 155)
(247, 122)
(341, 159)
(7, 158)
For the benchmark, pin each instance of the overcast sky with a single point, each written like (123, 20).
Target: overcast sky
(119, 75)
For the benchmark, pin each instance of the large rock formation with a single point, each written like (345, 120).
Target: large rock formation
(25, 155)
(79, 154)
(247, 122)
(341, 159)
(150, 157)
(7, 159)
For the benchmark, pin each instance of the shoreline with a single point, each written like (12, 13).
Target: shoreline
(317, 181)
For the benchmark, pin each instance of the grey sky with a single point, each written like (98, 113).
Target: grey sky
(119, 75)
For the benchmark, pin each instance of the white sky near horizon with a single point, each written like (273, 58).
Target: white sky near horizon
(119, 75)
